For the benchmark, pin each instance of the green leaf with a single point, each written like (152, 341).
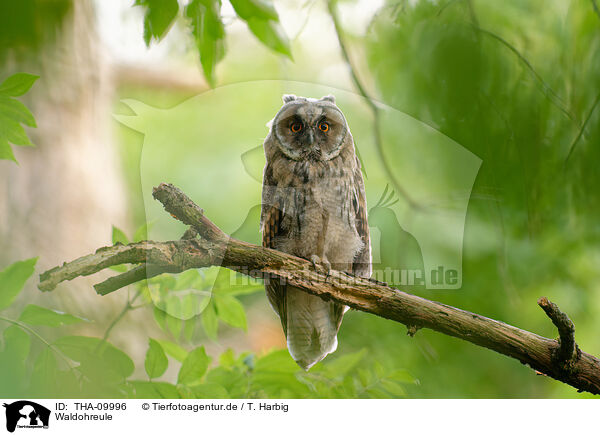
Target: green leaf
(263, 22)
(236, 381)
(17, 342)
(181, 299)
(17, 84)
(189, 327)
(209, 390)
(394, 388)
(276, 361)
(210, 321)
(6, 152)
(188, 279)
(402, 376)
(159, 17)
(279, 384)
(208, 32)
(174, 350)
(166, 281)
(144, 292)
(118, 236)
(13, 132)
(365, 377)
(161, 318)
(100, 356)
(156, 361)
(247, 9)
(377, 392)
(230, 310)
(46, 361)
(174, 324)
(16, 111)
(227, 358)
(36, 315)
(12, 280)
(43, 376)
(193, 367)
(13, 113)
(271, 34)
(141, 233)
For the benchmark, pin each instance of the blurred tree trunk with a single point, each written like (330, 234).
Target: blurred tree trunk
(61, 198)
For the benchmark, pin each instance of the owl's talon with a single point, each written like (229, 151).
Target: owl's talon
(327, 265)
(323, 262)
(314, 259)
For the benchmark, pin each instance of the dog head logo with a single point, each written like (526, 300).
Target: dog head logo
(26, 414)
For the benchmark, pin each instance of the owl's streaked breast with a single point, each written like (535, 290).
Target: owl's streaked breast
(316, 201)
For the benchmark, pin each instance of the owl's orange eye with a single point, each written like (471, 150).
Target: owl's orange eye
(296, 127)
(324, 127)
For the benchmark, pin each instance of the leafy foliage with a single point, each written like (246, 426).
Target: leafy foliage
(17, 345)
(174, 350)
(36, 315)
(80, 366)
(158, 18)
(204, 22)
(17, 342)
(17, 85)
(12, 280)
(118, 236)
(13, 113)
(208, 32)
(93, 353)
(263, 22)
(193, 367)
(156, 361)
(230, 310)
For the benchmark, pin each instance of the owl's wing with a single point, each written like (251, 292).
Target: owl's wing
(271, 217)
(362, 262)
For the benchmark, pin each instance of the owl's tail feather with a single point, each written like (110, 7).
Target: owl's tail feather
(312, 326)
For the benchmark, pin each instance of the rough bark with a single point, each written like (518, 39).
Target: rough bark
(559, 359)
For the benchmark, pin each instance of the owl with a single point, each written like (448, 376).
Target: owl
(313, 207)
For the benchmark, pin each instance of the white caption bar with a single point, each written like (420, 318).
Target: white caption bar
(298, 416)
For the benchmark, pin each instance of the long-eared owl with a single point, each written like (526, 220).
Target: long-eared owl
(314, 207)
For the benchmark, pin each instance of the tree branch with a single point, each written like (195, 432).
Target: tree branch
(567, 351)
(556, 359)
(139, 273)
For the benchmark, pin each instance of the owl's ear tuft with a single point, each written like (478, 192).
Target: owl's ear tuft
(288, 97)
(329, 98)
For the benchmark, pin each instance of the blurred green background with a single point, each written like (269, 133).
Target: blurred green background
(514, 83)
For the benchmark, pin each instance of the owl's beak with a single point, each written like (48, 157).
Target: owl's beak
(310, 136)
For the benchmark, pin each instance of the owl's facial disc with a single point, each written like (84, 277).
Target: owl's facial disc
(309, 130)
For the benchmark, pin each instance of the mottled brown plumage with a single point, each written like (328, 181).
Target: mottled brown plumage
(313, 206)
